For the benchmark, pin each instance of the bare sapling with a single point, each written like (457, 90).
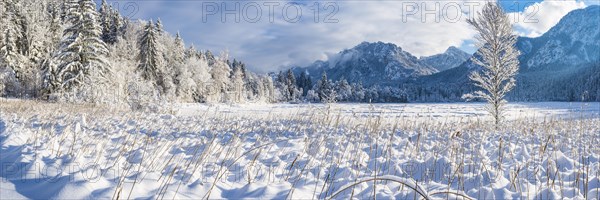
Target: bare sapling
(498, 58)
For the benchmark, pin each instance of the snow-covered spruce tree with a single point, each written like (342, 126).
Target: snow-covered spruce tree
(325, 90)
(292, 90)
(14, 40)
(312, 96)
(117, 26)
(80, 60)
(20, 25)
(269, 89)
(166, 45)
(10, 56)
(128, 86)
(191, 52)
(255, 91)
(159, 26)
(237, 84)
(54, 29)
(358, 92)
(44, 33)
(105, 20)
(497, 56)
(217, 90)
(280, 84)
(150, 58)
(199, 65)
(26, 47)
(343, 90)
(304, 82)
(200, 77)
(179, 48)
(372, 94)
(11, 63)
(182, 75)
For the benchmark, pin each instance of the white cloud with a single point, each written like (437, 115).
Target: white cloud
(538, 18)
(269, 46)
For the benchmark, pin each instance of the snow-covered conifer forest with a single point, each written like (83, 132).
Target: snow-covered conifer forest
(94, 105)
(72, 52)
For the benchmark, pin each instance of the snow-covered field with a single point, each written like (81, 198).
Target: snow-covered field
(299, 151)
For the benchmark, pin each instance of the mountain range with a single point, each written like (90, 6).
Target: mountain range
(383, 64)
(561, 65)
(451, 58)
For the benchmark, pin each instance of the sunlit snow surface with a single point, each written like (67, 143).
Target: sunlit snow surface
(423, 111)
(299, 151)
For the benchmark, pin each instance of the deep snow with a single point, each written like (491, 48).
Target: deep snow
(300, 151)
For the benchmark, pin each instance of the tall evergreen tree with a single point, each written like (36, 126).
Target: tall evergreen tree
(18, 22)
(238, 85)
(304, 82)
(10, 56)
(292, 91)
(343, 90)
(53, 34)
(325, 90)
(358, 92)
(191, 52)
(181, 72)
(149, 61)
(116, 27)
(159, 26)
(220, 73)
(15, 38)
(105, 20)
(11, 53)
(82, 51)
(179, 46)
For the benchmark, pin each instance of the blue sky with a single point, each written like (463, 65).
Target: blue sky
(517, 6)
(273, 35)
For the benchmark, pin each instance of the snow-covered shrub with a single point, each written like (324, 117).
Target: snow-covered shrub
(141, 95)
(3, 80)
(312, 96)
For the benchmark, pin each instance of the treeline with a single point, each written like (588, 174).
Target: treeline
(301, 88)
(576, 83)
(77, 51)
(74, 51)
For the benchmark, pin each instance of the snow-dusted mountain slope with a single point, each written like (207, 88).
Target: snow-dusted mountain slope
(569, 50)
(575, 40)
(371, 63)
(451, 58)
(559, 65)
